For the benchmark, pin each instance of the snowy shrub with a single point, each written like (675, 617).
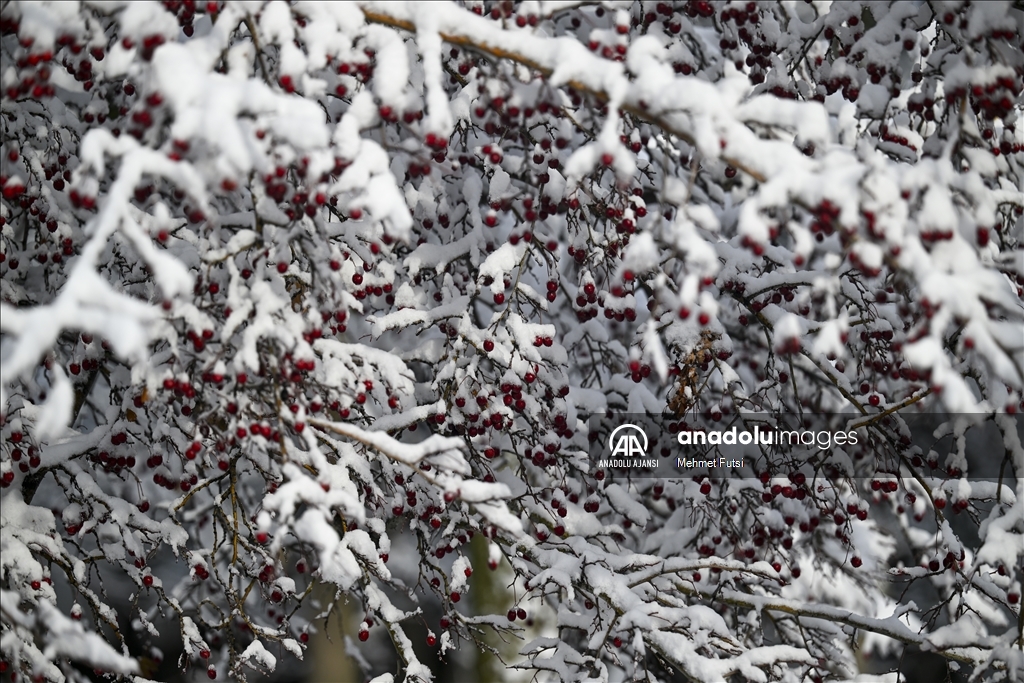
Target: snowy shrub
(282, 282)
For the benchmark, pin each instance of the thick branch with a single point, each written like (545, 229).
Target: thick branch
(891, 627)
(379, 14)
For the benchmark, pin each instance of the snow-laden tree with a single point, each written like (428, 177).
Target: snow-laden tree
(284, 281)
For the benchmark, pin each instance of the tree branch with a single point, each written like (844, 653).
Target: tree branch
(379, 14)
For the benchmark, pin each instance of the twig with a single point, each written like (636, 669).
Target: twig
(256, 43)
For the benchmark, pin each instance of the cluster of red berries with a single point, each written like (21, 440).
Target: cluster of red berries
(512, 394)
(638, 372)
(795, 489)
(587, 297)
(896, 138)
(184, 484)
(919, 104)
(950, 561)
(364, 629)
(517, 613)
(704, 318)
(788, 347)
(33, 461)
(111, 463)
(81, 201)
(34, 68)
(993, 100)
(361, 70)
(546, 457)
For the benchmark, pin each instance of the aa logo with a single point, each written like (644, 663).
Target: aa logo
(628, 441)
